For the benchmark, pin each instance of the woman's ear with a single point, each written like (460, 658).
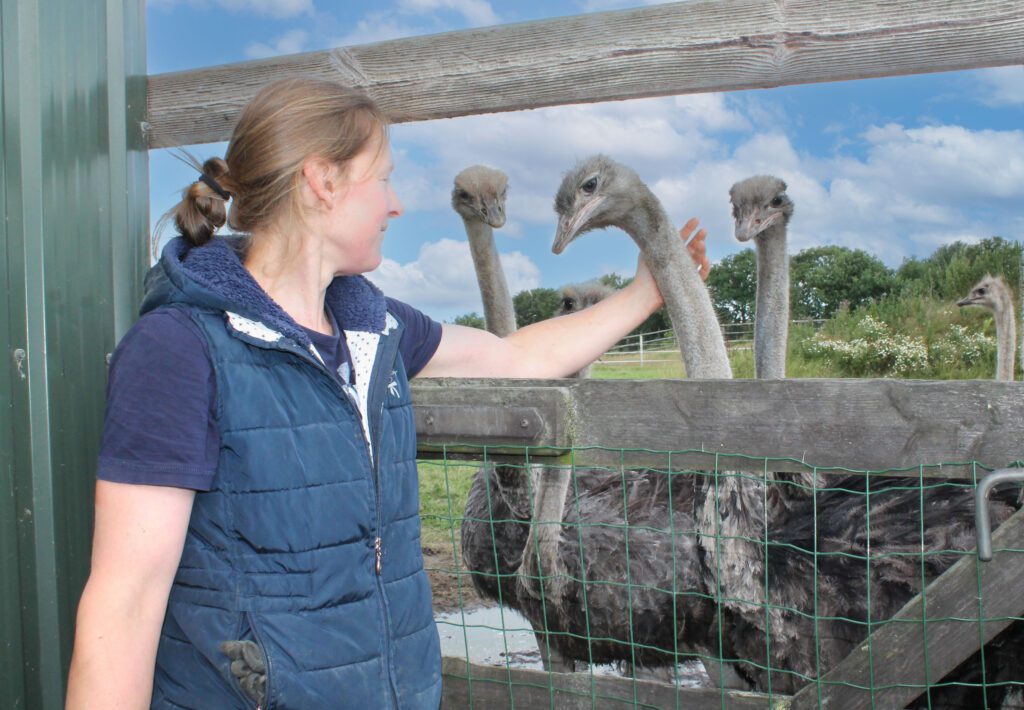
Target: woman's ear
(321, 183)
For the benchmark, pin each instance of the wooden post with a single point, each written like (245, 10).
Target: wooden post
(969, 603)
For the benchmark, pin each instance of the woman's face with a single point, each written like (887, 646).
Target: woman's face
(361, 216)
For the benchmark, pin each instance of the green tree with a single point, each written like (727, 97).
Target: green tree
(950, 272)
(471, 320)
(733, 286)
(535, 305)
(821, 278)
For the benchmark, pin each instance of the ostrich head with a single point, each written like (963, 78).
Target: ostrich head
(479, 194)
(577, 297)
(600, 193)
(759, 203)
(988, 293)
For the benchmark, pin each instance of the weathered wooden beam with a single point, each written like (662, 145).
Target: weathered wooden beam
(901, 651)
(471, 685)
(860, 424)
(678, 48)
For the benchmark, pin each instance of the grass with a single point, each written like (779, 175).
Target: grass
(444, 486)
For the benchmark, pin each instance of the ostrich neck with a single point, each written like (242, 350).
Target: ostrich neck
(541, 564)
(771, 317)
(1006, 337)
(498, 311)
(686, 298)
(730, 521)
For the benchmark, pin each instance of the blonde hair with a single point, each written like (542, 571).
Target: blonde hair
(286, 123)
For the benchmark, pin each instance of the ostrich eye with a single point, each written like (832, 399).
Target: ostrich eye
(589, 186)
(462, 195)
(777, 201)
(568, 304)
(982, 291)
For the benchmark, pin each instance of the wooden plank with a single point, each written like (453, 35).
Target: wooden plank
(467, 685)
(491, 417)
(896, 653)
(678, 48)
(860, 424)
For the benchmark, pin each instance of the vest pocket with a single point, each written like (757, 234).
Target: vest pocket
(249, 665)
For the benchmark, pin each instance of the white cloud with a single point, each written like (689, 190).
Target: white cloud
(290, 42)
(476, 12)
(437, 280)
(915, 190)
(378, 27)
(602, 5)
(1002, 86)
(654, 136)
(278, 9)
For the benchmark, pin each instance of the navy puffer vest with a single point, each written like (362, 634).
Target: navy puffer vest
(309, 542)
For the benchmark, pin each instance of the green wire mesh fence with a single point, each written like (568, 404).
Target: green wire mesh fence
(724, 585)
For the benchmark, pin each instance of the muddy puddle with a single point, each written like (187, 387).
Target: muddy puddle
(501, 637)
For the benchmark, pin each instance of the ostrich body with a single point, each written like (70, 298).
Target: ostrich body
(479, 198)
(601, 193)
(762, 210)
(780, 606)
(992, 293)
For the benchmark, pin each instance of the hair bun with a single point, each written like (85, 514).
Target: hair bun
(203, 208)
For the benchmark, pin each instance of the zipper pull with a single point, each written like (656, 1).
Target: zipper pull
(377, 550)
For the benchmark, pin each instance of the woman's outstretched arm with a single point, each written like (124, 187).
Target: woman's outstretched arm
(560, 346)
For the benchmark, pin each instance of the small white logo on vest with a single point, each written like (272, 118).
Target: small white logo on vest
(393, 385)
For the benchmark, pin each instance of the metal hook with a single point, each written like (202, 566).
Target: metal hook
(982, 524)
(19, 356)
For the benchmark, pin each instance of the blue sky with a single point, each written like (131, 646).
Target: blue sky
(896, 167)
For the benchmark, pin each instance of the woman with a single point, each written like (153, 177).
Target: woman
(257, 532)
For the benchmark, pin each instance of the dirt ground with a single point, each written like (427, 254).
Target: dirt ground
(451, 590)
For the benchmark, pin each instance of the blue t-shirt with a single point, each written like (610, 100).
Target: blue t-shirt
(160, 427)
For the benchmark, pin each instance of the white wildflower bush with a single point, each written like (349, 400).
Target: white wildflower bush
(962, 348)
(875, 350)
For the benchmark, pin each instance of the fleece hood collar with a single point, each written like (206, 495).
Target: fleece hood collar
(213, 276)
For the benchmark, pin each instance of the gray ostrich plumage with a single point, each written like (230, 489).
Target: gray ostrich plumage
(478, 196)
(992, 293)
(761, 210)
(813, 608)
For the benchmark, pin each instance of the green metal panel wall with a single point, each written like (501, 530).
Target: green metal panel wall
(74, 196)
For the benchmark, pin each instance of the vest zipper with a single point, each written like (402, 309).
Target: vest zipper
(314, 357)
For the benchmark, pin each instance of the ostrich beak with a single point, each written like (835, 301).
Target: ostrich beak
(494, 213)
(573, 225)
(752, 225)
(969, 301)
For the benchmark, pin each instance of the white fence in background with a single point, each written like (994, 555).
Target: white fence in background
(660, 346)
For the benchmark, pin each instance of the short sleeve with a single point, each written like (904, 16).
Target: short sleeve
(420, 339)
(159, 427)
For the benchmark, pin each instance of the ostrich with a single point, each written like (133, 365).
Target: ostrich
(479, 198)
(600, 193)
(727, 556)
(992, 293)
(596, 194)
(762, 210)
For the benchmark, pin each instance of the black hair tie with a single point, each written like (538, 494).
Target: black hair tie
(214, 185)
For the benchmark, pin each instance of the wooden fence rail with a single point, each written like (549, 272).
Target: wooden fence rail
(678, 48)
(859, 424)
